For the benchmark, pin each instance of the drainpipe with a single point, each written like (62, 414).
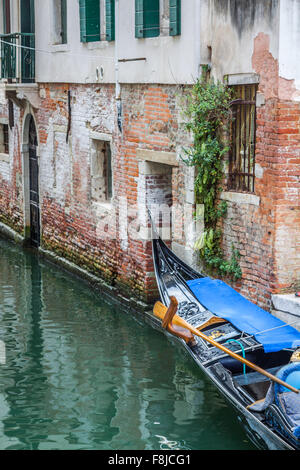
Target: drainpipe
(117, 84)
(118, 97)
(197, 37)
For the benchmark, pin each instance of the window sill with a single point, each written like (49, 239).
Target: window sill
(240, 198)
(4, 157)
(102, 208)
(96, 45)
(60, 48)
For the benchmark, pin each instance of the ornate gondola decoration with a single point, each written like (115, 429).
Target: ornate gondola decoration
(252, 357)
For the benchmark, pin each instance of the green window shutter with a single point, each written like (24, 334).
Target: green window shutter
(89, 11)
(6, 16)
(151, 18)
(139, 18)
(175, 17)
(63, 13)
(146, 18)
(110, 20)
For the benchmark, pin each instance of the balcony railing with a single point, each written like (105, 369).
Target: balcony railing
(18, 57)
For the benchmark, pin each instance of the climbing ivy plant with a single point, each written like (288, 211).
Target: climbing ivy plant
(207, 112)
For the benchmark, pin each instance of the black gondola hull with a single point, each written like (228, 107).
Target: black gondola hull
(171, 274)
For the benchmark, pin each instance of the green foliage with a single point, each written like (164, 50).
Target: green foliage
(208, 115)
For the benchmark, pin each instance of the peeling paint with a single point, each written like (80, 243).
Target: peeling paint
(265, 65)
(287, 90)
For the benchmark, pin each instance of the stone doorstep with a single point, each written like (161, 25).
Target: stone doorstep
(8, 232)
(288, 303)
(287, 309)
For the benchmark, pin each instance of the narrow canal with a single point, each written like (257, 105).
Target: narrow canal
(78, 373)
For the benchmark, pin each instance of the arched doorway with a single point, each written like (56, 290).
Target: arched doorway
(34, 202)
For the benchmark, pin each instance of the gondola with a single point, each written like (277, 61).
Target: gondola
(268, 410)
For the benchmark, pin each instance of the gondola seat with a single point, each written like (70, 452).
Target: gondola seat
(289, 402)
(225, 302)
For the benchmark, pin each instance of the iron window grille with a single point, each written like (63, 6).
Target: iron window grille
(5, 138)
(241, 175)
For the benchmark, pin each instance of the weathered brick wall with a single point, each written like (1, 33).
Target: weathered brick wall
(72, 225)
(267, 234)
(287, 194)
(11, 189)
(152, 116)
(76, 228)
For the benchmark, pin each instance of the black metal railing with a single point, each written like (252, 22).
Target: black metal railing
(18, 57)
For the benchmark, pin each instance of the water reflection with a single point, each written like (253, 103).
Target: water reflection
(80, 374)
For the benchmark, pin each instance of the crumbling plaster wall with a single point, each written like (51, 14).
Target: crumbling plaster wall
(289, 50)
(11, 172)
(228, 29)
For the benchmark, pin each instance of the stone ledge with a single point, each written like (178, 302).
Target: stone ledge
(242, 78)
(4, 157)
(287, 309)
(240, 198)
(21, 93)
(167, 158)
(8, 232)
(289, 318)
(288, 303)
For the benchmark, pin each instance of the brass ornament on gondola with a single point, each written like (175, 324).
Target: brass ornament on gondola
(296, 356)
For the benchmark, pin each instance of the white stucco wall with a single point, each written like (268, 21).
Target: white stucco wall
(168, 59)
(229, 28)
(73, 62)
(289, 47)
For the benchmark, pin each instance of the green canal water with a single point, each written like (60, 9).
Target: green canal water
(80, 373)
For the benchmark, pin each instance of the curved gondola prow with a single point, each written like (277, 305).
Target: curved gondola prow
(178, 268)
(155, 238)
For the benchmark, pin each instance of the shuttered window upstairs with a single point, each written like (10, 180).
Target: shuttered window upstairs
(147, 18)
(89, 11)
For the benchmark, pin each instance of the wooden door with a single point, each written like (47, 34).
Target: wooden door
(34, 186)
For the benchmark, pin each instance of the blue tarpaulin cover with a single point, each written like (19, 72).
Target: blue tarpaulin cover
(225, 302)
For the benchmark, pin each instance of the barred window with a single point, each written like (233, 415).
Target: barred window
(4, 139)
(101, 171)
(241, 175)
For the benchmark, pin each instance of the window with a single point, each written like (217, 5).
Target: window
(90, 20)
(242, 152)
(89, 11)
(4, 140)
(148, 16)
(101, 171)
(60, 21)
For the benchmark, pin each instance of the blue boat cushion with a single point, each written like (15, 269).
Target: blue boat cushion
(288, 401)
(225, 302)
(289, 374)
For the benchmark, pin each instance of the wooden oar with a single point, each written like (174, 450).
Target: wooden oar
(160, 310)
